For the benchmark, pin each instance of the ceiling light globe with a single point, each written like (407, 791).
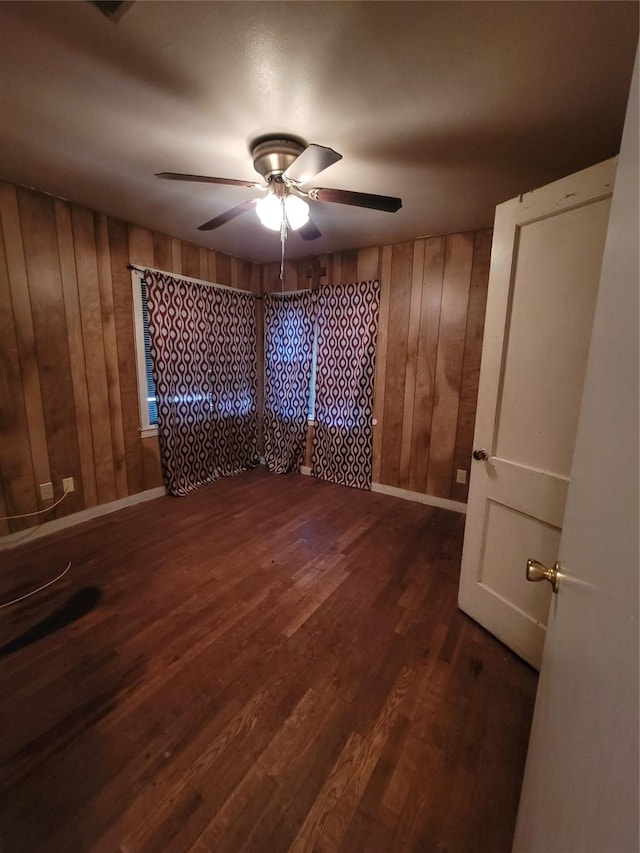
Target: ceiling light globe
(297, 211)
(269, 210)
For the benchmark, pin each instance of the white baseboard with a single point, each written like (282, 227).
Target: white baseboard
(418, 497)
(406, 495)
(12, 540)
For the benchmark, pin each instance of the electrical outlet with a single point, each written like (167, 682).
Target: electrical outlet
(67, 485)
(46, 491)
(461, 476)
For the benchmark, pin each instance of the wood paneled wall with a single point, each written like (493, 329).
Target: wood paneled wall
(433, 300)
(68, 386)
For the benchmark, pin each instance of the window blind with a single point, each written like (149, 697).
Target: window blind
(151, 385)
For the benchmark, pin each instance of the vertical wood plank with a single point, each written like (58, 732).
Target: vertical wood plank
(381, 360)
(368, 266)
(204, 265)
(471, 361)
(76, 351)
(212, 272)
(325, 264)
(302, 267)
(111, 354)
(91, 314)
(349, 266)
(266, 278)
(16, 466)
(271, 280)
(245, 275)
(50, 328)
(255, 279)
(151, 462)
(308, 447)
(401, 268)
(223, 268)
(176, 256)
(235, 273)
(140, 246)
(162, 256)
(335, 269)
(190, 260)
(25, 337)
(123, 313)
(453, 318)
(426, 362)
(412, 359)
(290, 275)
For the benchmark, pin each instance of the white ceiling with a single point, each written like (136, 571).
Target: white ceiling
(453, 106)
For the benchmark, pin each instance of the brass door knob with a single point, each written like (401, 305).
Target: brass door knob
(537, 572)
(478, 455)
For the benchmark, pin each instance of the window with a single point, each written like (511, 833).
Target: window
(148, 364)
(146, 384)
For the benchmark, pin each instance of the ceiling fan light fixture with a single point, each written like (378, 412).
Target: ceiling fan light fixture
(269, 210)
(297, 211)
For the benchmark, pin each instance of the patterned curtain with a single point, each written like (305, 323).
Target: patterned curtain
(203, 346)
(345, 371)
(288, 342)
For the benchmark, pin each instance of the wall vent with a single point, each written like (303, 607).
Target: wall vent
(112, 8)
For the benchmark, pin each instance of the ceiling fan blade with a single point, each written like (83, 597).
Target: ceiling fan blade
(228, 215)
(309, 230)
(374, 202)
(313, 160)
(205, 179)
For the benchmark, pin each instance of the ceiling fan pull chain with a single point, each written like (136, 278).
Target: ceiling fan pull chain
(283, 237)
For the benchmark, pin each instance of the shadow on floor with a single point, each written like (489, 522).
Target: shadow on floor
(74, 608)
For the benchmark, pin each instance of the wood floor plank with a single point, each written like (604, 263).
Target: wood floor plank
(372, 825)
(268, 664)
(303, 777)
(333, 810)
(240, 811)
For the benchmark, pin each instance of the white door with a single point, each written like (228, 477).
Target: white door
(580, 791)
(545, 268)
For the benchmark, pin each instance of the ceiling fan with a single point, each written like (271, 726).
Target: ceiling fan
(287, 165)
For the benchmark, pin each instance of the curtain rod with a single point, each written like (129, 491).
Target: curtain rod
(193, 280)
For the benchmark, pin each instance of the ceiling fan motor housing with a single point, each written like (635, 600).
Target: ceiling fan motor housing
(272, 157)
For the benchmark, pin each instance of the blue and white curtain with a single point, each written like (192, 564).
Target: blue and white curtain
(347, 328)
(203, 347)
(288, 345)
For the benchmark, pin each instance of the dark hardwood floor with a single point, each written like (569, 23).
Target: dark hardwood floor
(270, 664)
